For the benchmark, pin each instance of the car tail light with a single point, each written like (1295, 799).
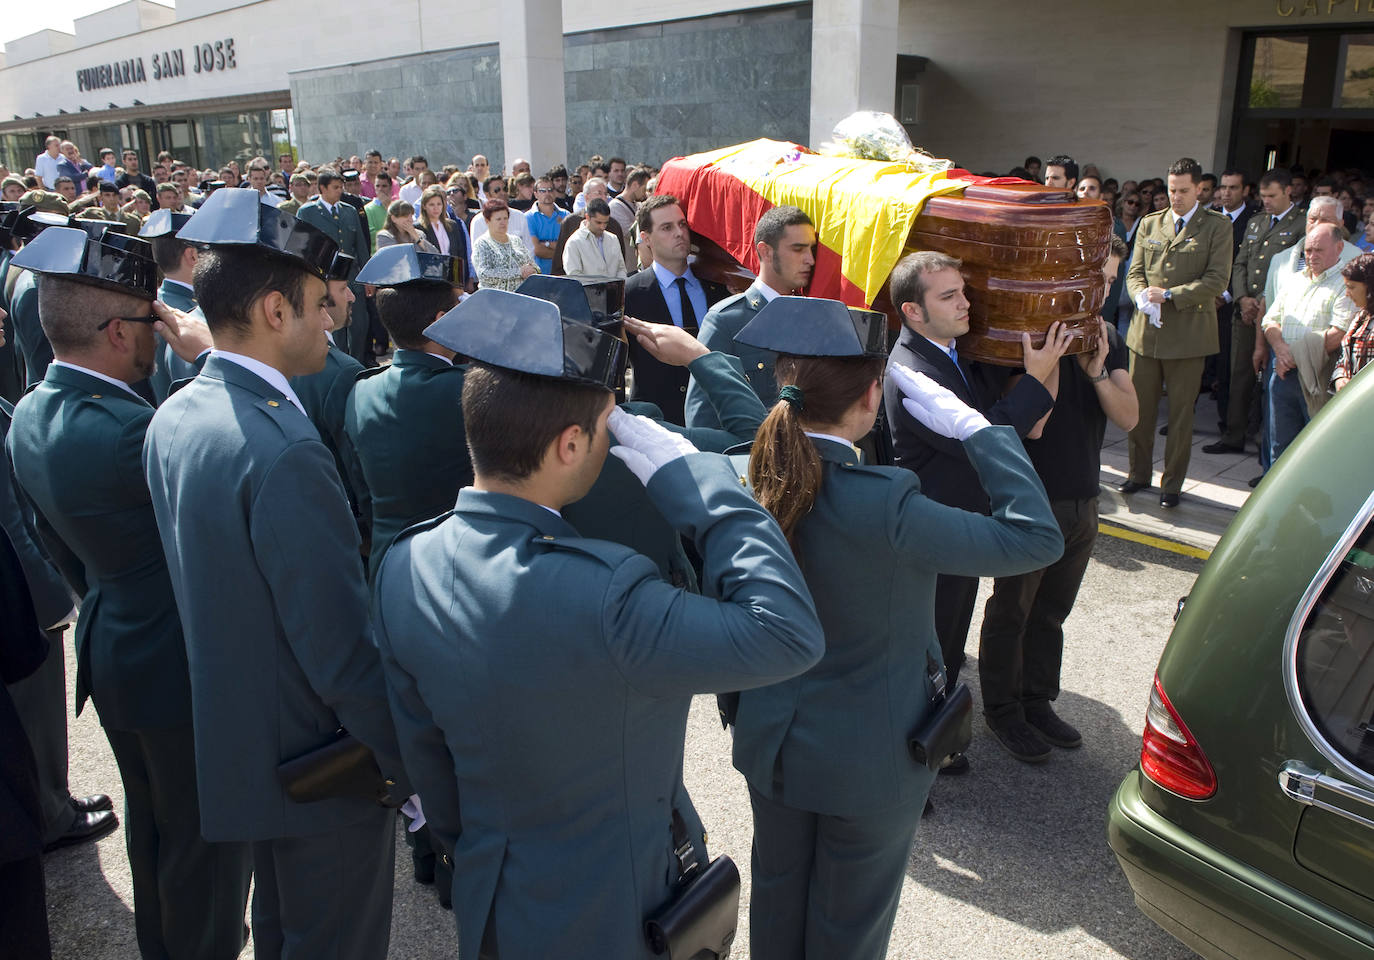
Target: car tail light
(1169, 755)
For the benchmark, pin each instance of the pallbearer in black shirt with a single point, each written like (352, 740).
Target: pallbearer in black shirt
(1022, 643)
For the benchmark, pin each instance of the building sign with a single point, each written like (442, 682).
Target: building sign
(205, 58)
(1317, 8)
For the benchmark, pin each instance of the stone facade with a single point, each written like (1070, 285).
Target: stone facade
(643, 92)
(445, 106)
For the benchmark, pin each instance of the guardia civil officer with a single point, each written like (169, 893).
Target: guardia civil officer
(176, 259)
(263, 555)
(544, 677)
(405, 420)
(617, 508)
(95, 299)
(11, 368)
(835, 794)
(324, 395)
(35, 353)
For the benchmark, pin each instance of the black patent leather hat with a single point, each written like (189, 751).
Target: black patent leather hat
(161, 223)
(597, 301)
(404, 263)
(529, 335)
(813, 327)
(114, 260)
(238, 218)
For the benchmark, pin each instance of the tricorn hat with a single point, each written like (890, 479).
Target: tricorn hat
(404, 263)
(813, 327)
(113, 260)
(238, 218)
(528, 335)
(161, 223)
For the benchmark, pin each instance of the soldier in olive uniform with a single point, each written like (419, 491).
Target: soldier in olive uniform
(1181, 264)
(96, 295)
(1271, 231)
(109, 209)
(541, 679)
(785, 243)
(263, 556)
(176, 259)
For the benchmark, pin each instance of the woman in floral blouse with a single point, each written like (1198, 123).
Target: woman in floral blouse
(501, 261)
(1357, 349)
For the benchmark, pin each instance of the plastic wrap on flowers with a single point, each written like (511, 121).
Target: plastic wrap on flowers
(871, 135)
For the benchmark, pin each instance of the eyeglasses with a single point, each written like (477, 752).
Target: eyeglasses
(147, 320)
(543, 190)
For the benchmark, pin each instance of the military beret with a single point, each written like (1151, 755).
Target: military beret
(403, 263)
(238, 218)
(516, 332)
(813, 327)
(48, 202)
(113, 260)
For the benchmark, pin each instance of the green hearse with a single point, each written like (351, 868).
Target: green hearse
(1247, 829)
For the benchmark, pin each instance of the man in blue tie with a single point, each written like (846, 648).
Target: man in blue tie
(929, 291)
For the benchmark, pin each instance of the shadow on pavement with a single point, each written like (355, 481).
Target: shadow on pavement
(1028, 843)
(86, 916)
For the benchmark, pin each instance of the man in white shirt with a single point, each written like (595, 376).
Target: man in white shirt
(410, 193)
(592, 251)
(46, 163)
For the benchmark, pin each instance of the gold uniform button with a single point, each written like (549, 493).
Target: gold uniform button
(273, 403)
(95, 396)
(548, 538)
(760, 366)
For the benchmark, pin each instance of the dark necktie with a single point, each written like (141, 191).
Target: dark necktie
(1273, 221)
(1178, 226)
(689, 316)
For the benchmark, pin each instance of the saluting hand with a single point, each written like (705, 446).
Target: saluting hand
(187, 335)
(934, 406)
(645, 446)
(666, 342)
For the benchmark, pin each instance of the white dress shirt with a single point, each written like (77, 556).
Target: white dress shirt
(274, 377)
(99, 376)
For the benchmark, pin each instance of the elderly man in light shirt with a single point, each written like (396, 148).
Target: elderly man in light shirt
(592, 251)
(1303, 328)
(47, 165)
(1290, 261)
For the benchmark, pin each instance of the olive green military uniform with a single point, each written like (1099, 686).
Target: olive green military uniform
(289, 206)
(1264, 239)
(1194, 267)
(130, 220)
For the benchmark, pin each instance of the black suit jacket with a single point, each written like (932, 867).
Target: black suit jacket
(656, 382)
(946, 474)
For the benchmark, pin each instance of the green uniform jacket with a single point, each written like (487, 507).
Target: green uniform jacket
(131, 658)
(718, 330)
(618, 509)
(345, 228)
(1195, 267)
(325, 398)
(405, 424)
(834, 739)
(1263, 239)
(543, 680)
(171, 368)
(29, 339)
(263, 555)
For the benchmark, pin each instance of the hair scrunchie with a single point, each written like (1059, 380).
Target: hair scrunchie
(793, 395)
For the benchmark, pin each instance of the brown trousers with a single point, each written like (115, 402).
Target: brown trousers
(1150, 376)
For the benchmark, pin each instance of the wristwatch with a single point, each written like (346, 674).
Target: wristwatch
(1100, 377)
(1168, 294)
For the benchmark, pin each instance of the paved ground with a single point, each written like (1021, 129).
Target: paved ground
(1013, 864)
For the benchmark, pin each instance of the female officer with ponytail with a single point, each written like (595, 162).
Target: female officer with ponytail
(835, 793)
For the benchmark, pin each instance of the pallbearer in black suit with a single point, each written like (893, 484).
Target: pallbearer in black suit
(666, 293)
(96, 303)
(176, 259)
(405, 421)
(835, 793)
(929, 291)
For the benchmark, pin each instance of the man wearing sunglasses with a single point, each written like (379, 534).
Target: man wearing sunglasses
(95, 295)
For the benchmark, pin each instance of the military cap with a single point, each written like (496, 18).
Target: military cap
(350, 176)
(105, 186)
(32, 221)
(403, 263)
(97, 229)
(813, 327)
(47, 202)
(516, 332)
(114, 260)
(597, 301)
(299, 178)
(237, 218)
(161, 223)
(10, 212)
(340, 267)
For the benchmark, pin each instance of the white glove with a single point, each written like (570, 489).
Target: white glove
(1151, 310)
(644, 445)
(933, 405)
(412, 809)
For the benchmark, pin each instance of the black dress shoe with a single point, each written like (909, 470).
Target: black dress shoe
(86, 827)
(954, 765)
(1221, 446)
(1164, 430)
(1168, 500)
(1254, 481)
(1132, 486)
(92, 804)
